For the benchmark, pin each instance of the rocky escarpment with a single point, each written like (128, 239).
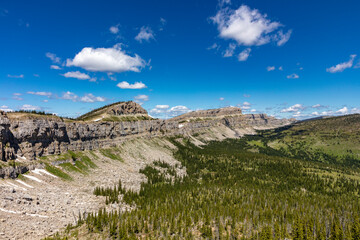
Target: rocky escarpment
(211, 113)
(32, 138)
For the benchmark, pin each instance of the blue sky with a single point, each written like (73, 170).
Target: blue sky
(284, 58)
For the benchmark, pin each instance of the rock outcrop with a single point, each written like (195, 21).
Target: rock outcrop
(32, 138)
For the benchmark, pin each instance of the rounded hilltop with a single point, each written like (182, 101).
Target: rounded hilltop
(119, 111)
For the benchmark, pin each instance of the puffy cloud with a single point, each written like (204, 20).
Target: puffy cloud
(77, 74)
(253, 110)
(53, 57)
(292, 76)
(16, 96)
(140, 99)
(343, 110)
(162, 106)
(316, 106)
(88, 98)
(56, 67)
(245, 106)
(294, 108)
(126, 85)
(16, 76)
(5, 108)
(214, 46)
(114, 29)
(342, 66)
(178, 110)
(283, 38)
(106, 60)
(229, 52)
(46, 94)
(28, 107)
(270, 68)
(243, 56)
(145, 34)
(248, 27)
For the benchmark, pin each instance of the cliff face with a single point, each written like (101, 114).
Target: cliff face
(31, 138)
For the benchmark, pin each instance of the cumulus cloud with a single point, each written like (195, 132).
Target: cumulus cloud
(165, 111)
(294, 108)
(343, 110)
(28, 107)
(243, 56)
(88, 98)
(283, 38)
(270, 68)
(53, 57)
(106, 60)
(178, 110)
(16, 76)
(140, 99)
(45, 94)
(17, 96)
(114, 29)
(229, 52)
(248, 27)
(76, 74)
(126, 85)
(292, 76)
(145, 34)
(56, 67)
(5, 108)
(342, 66)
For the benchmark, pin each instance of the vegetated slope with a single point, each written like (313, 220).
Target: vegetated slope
(331, 140)
(232, 192)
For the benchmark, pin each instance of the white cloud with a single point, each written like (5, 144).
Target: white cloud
(342, 66)
(294, 108)
(178, 110)
(243, 56)
(53, 57)
(162, 106)
(297, 114)
(56, 67)
(221, 99)
(281, 68)
(145, 34)
(114, 29)
(16, 96)
(318, 106)
(224, 2)
(88, 98)
(229, 52)
(77, 74)
(343, 110)
(28, 107)
(283, 38)
(214, 46)
(248, 27)
(5, 108)
(106, 60)
(245, 106)
(270, 68)
(253, 110)
(355, 110)
(16, 76)
(293, 76)
(141, 98)
(46, 94)
(126, 85)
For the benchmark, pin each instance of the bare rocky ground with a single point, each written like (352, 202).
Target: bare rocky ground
(40, 204)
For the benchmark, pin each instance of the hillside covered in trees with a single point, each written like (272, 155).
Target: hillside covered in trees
(267, 186)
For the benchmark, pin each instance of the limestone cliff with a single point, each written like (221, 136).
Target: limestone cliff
(35, 137)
